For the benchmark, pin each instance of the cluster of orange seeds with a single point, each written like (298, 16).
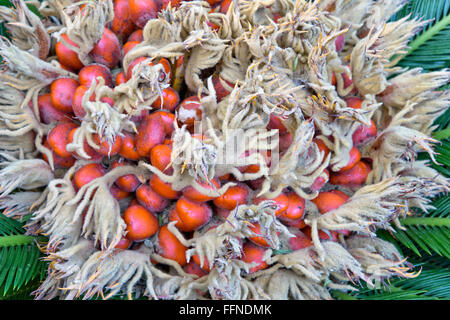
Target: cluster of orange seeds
(152, 143)
(220, 149)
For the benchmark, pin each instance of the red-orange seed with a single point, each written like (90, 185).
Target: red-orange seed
(87, 173)
(47, 112)
(170, 100)
(170, 247)
(297, 223)
(128, 148)
(190, 215)
(355, 156)
(281, 202)
(259, 239)
(160, 157)
(206, 266)
(123, 244)
(107, 149)
(118, 193)
(221, 92)
(122, 24)
(128, 46)
(150, 199)
(66, 56)
(59, 137)
(120, 78)
(189, 111)
(225, 5)
(128, 182)
(352, 177)
(136, 36)
(320, 181)
(58, 162)
(296, 207)
(276, 123)
(329, 200)
(167, 67)
(150, 133)
(234, 195)
(193, 268)
(62, 91)
(142, 11)
(364, 133)
(353, 102)
(88, 73)
(107, 50)
(300, 241)
(162, 188)
(192, 194)
(167, 119)
(254, 253)
(140, 222)
(77, 99)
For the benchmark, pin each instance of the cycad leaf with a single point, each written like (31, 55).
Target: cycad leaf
(434, 261)
(426, 233)
(430, 48)
(9, 226)
(442, 157)
(425, 9)
(432, 284)
(442, 207)
(5, 3)
(429, 232)
(426, 239)
(19, 256)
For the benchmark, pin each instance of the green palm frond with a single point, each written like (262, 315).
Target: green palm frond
(19, 257)
(432, 284)
(435, 283)
(442, 122)
(427, 233)
(425, 9)
(442, 155)
(8, 3)
(5, 3)
(443, 150)
(430, 49)
(434, 261)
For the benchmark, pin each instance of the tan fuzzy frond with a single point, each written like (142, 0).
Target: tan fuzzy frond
(84, 27)
(26, 174)
(380, 259)
(371, 207)
(108, 273)
(102, 218)
(26, 29)
(285, 284)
